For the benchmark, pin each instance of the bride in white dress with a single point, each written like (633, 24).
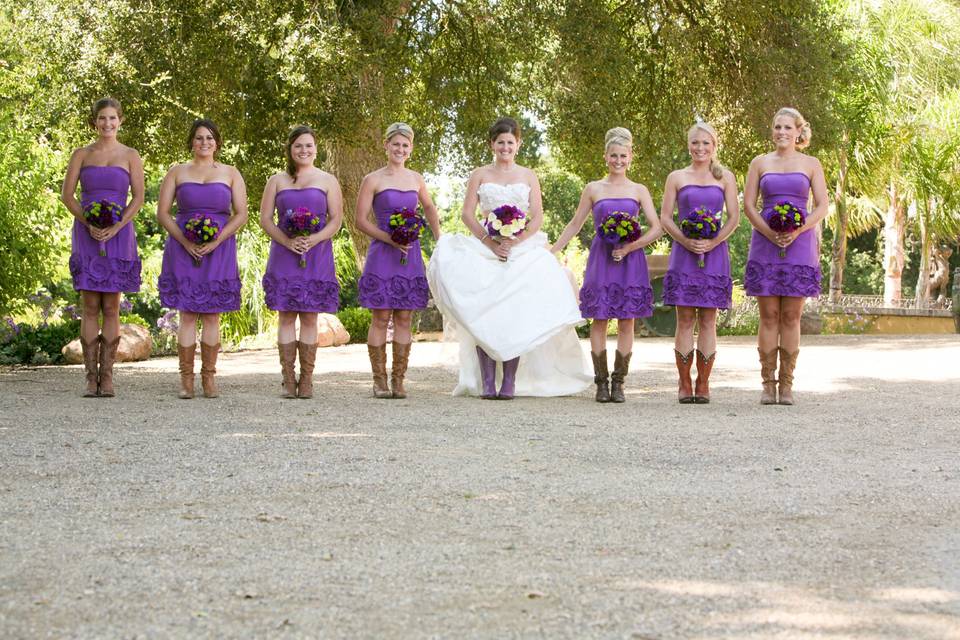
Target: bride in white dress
(508, 300)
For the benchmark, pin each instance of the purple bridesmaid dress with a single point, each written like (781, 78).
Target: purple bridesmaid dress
(385, 283)
(798, 272)
(119, 270)
(213, 286)
(686, 284)
(614, 289)
(288, 286)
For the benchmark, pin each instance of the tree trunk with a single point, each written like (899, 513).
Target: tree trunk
(924, 213)
(350, 164)
(894, 226)
(838, 256)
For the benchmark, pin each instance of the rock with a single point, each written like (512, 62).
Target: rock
(811, 324)
(135, 344)
(330, 331)
(430, 318)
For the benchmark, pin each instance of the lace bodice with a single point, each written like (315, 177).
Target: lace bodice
(493, 195)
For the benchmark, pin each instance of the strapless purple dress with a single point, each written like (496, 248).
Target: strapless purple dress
(614, 289)
(119, 270)
(385, 283)
(213, 286)
(686, 284)
(798, 273)
(288, 286)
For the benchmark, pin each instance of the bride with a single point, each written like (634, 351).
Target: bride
(507, 298)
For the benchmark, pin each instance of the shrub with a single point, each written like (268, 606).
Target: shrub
(39, 345)
(356, 320)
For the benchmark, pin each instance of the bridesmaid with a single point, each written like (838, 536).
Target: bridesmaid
(201, 280)
(698, 291)
(616, 283)
(781, 283)
(388, 286)
(301, 280)
(103, 262)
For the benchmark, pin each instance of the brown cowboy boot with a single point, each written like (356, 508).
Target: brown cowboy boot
(308, 356)
(288, 359)
(186, 355)
(108, 354)
(701, 393)
(621, 365)
(91, 358)
(208, 369)
(787, 363)
(378, 364)
(768, 373)
(601, 376)
(401, 356)
(685, 387)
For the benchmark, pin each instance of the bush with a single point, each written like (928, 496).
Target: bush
(39, 345)
(348, 274)
(356, 320)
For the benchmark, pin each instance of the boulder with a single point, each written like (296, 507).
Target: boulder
(330, 331)
(811, 324)
(135, 344)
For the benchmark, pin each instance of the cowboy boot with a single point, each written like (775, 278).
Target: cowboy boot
(685, 386)
(488, 375)
(108, 354)
(768, 374)
(787, 363)
(208, 369)
(401, 356)
(600, 376)
(621, 365)
(186, 355)
(288, 358)
(701, 394)
(91, 358)
(378, 364)
(509, 379)
(308, 356)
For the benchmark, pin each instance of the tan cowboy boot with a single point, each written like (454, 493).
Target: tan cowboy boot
(701, 393)
(401, 357)
(787, 363)
(186, 355)
(685, 386)
(768, 373)
(108, 354)
(601, 376)
(621, 365)
(91, 358)
(308, 356)
(378, 364)
(288, 359)
(208, 369)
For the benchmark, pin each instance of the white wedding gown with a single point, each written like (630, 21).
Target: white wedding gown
(522, 307)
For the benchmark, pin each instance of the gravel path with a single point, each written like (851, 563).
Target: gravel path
(349, 517)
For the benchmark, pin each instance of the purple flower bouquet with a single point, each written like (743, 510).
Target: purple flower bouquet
(300, 222)
(784, 218)
(700, 224)
(102, 214)
(505, 221)
(200, 229)
(405, 228)
(620, 228)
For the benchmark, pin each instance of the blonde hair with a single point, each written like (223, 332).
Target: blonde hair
(618, 135)
(805, 132)
(716, 169)
(399, 128)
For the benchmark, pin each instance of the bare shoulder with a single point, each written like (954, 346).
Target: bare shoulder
(641, 190)
(729, 177)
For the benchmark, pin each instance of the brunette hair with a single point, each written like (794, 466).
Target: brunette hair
(501, 126)
(803, 127)
(102, 104)
(716, 169)
(209, 125)
(296, 132)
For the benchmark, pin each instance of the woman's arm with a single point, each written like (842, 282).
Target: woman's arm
(652, 233)
(535, 214)
(68, 192)
(268, 203)
(751, 190)
(429, 209)
(576, 223)
(168, 189)
(364, 212)
(670, 190)
(334, 213)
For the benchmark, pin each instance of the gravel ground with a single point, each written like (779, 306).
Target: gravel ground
(146, 516)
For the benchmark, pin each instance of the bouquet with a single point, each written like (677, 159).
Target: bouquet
(102, 214)
(700, 224)
(620, 228)
(200, 229)
(505, 221)
(300, 222)
(405, 228)
(784, 218)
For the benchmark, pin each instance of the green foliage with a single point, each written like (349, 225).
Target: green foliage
(39, 345)
(133, 318)
(356, 320)
(253, 318)
(348, 274)
(561, 195)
